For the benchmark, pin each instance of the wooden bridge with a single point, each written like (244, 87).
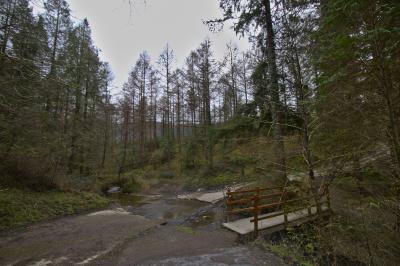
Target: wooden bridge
(273, 209)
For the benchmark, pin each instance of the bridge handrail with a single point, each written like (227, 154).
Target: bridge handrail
(245, 200)
(252, 190)
(275, 214)
(267, 206)
(256, 207)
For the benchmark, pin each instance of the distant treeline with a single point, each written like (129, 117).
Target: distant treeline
(327, 70)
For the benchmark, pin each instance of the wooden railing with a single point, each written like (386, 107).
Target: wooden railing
(254, 203)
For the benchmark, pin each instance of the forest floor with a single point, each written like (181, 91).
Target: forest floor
(151, 229)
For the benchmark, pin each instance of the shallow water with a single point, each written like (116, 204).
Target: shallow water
(171, 210)
(126, 200)
(176, 211)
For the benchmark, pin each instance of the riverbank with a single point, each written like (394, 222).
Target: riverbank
(21, 207)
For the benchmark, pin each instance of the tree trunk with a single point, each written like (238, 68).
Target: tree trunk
(245, 78)
(178, 115)
(278, 144)
(52, 73)
(302, 97)
(125, 139)
(106, 129)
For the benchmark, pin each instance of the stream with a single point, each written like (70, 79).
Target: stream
(190, 234)
(171, 210)
(135, 230)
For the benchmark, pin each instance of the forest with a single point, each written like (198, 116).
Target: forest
(315, 102)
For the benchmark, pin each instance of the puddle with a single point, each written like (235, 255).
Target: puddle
(203, 219)
(168, 215)
(175, 211)
(126, 200)
(207, 218)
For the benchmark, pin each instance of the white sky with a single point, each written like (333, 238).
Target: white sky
(122, 32)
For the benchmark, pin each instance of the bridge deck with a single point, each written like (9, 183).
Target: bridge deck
(245, 226)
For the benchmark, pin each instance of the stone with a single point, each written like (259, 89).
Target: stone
(114, 189)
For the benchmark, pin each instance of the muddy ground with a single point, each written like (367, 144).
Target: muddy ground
(137, 230)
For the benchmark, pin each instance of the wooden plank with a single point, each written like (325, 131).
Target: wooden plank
(253, 190)
(249, 209)
(255, 211)
(269, 215)
(247, 200)
(273, 195)
(275, 204)
(245, 226)
(240, 201)
(274, 214)
(266, 206)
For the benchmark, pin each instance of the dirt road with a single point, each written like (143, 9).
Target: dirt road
(156, 230)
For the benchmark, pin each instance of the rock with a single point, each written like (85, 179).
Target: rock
(130, 209)
(114, 190)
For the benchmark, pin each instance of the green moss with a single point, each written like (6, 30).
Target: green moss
(18, 207)
(280, 250)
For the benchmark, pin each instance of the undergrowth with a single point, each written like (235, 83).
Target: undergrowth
(20, 207)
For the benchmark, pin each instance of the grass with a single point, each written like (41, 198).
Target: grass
(297, 246)
(284, 251)
(20, 207)
(186, 230)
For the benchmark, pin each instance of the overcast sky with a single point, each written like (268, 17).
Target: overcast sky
(122, 32)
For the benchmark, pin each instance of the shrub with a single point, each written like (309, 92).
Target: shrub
(127, 184)
(167, 174)
(164, 154)
(22, 207)
(189, 154)
(130, 186)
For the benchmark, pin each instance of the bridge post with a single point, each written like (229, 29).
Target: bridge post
(285, 215)
(228, 206)
(255, 211)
